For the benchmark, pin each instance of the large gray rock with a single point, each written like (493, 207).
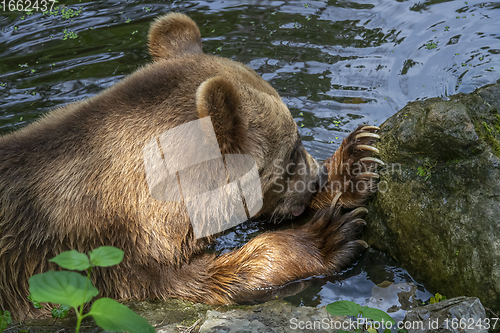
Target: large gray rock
(272, 317)
(456, 315)
(438, 209)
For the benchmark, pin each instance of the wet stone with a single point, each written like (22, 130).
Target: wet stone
(438, 209)
(460, 314)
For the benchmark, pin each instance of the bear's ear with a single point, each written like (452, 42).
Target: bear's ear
(172, 35)
(217, 98)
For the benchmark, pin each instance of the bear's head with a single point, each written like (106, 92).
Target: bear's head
(247, 114)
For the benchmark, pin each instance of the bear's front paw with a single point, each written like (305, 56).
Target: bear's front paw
(352, 170)
(337, 235)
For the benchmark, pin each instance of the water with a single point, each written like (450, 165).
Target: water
(335, 63)
(367, 282)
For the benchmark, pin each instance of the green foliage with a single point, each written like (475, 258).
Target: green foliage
(5, 320)
(68, 288)
(106, 310)
(486, 127)
(489, 134)
(431, 46)
(496, 123)
(105, 256)
(60, 312)
(425, 170)
(349, 308)
(344, 308)
(67, 13)
(68, 34)
(437, 298)
(73, 290)
(376, 314)
(36, 304)
(72, 260)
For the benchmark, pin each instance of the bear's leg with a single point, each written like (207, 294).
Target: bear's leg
(328, 243)
(351, 170)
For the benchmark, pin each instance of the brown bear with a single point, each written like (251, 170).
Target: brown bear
(76, 179)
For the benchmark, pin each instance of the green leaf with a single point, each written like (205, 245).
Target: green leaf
(60, 312)
(36, 304)
(105, 256)
(5, 320)
(376, 314)
(387, 330)
(72, 260)
(68, 288)
(343, 308)
(437, 298)
(430, 46)
(116, 317)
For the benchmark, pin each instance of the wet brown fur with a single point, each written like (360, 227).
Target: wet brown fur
(75, 179)
(347, 174)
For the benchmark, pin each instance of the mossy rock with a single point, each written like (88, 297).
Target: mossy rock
(438, 209)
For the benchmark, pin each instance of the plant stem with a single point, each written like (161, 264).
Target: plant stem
(78, 320)
(79, 314)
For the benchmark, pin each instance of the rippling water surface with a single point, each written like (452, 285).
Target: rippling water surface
(335, 63)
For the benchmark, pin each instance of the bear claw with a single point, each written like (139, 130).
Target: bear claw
(335, 200)
(368, 174)
(372, 159)
(359, 221)
(370, 128)
(367, 134)
(363, 243)
(359, 211)
(366, 147)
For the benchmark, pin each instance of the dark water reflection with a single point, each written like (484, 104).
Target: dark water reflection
(335, 63)
(359, 283)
